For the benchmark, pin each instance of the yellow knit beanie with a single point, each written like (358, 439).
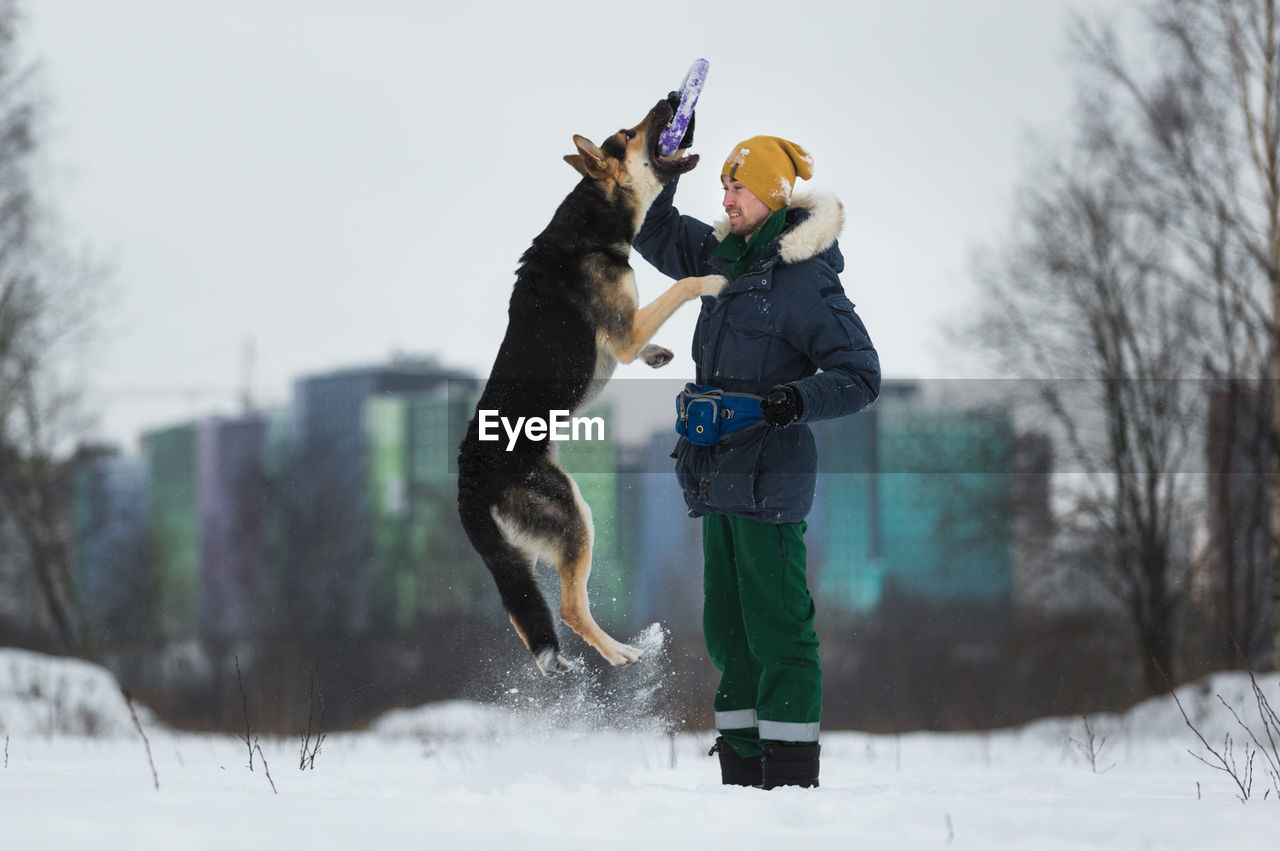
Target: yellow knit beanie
(768, 166)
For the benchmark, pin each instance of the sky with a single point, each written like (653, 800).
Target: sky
(284, 187)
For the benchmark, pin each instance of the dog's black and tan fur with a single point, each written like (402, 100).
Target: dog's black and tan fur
(574, 315)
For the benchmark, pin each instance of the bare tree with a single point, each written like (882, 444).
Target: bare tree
(1197, 144)
(1077, 304)
(1169, 203)
(45, 306)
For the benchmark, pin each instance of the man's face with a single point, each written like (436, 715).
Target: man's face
(746, 212)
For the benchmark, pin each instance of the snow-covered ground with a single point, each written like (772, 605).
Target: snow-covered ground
(533, 772)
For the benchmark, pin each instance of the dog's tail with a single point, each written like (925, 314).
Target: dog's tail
(512, 572)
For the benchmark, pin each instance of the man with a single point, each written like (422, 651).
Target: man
(783, 329)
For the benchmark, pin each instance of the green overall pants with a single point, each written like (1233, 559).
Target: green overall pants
(757, 620)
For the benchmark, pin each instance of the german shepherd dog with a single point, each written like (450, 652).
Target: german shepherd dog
(574, 315)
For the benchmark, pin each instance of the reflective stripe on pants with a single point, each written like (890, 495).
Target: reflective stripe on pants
(736, 719)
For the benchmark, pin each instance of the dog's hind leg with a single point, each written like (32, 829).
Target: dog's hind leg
(531, 616)
(513, 571)
(545, 516)
(511, 562)
(573, 564)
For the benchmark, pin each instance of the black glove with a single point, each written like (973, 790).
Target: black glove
(782, 406)
(673, 100)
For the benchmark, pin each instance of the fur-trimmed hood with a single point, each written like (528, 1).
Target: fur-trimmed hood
(785, 320)
(819, 219)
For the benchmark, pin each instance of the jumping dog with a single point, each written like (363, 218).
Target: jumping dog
(573, 316)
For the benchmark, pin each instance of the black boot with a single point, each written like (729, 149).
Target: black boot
(790, 765)
(736, 770)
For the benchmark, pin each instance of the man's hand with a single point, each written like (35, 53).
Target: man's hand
(782, 406)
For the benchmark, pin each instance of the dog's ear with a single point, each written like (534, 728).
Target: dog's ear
(590, 157)
(579, 166)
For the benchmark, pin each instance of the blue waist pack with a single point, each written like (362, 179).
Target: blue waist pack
(704, 414)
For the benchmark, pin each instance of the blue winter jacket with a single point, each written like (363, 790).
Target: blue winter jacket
(786, 320)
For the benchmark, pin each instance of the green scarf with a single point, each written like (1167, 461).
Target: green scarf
(741, 253)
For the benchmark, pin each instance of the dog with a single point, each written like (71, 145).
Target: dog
(574, 315)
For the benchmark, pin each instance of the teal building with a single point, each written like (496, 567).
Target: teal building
(419, 563)
(174, 529)
(110, 570)
(916, 499)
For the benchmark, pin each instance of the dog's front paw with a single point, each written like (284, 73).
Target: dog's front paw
(712, 284)
(656, 356)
